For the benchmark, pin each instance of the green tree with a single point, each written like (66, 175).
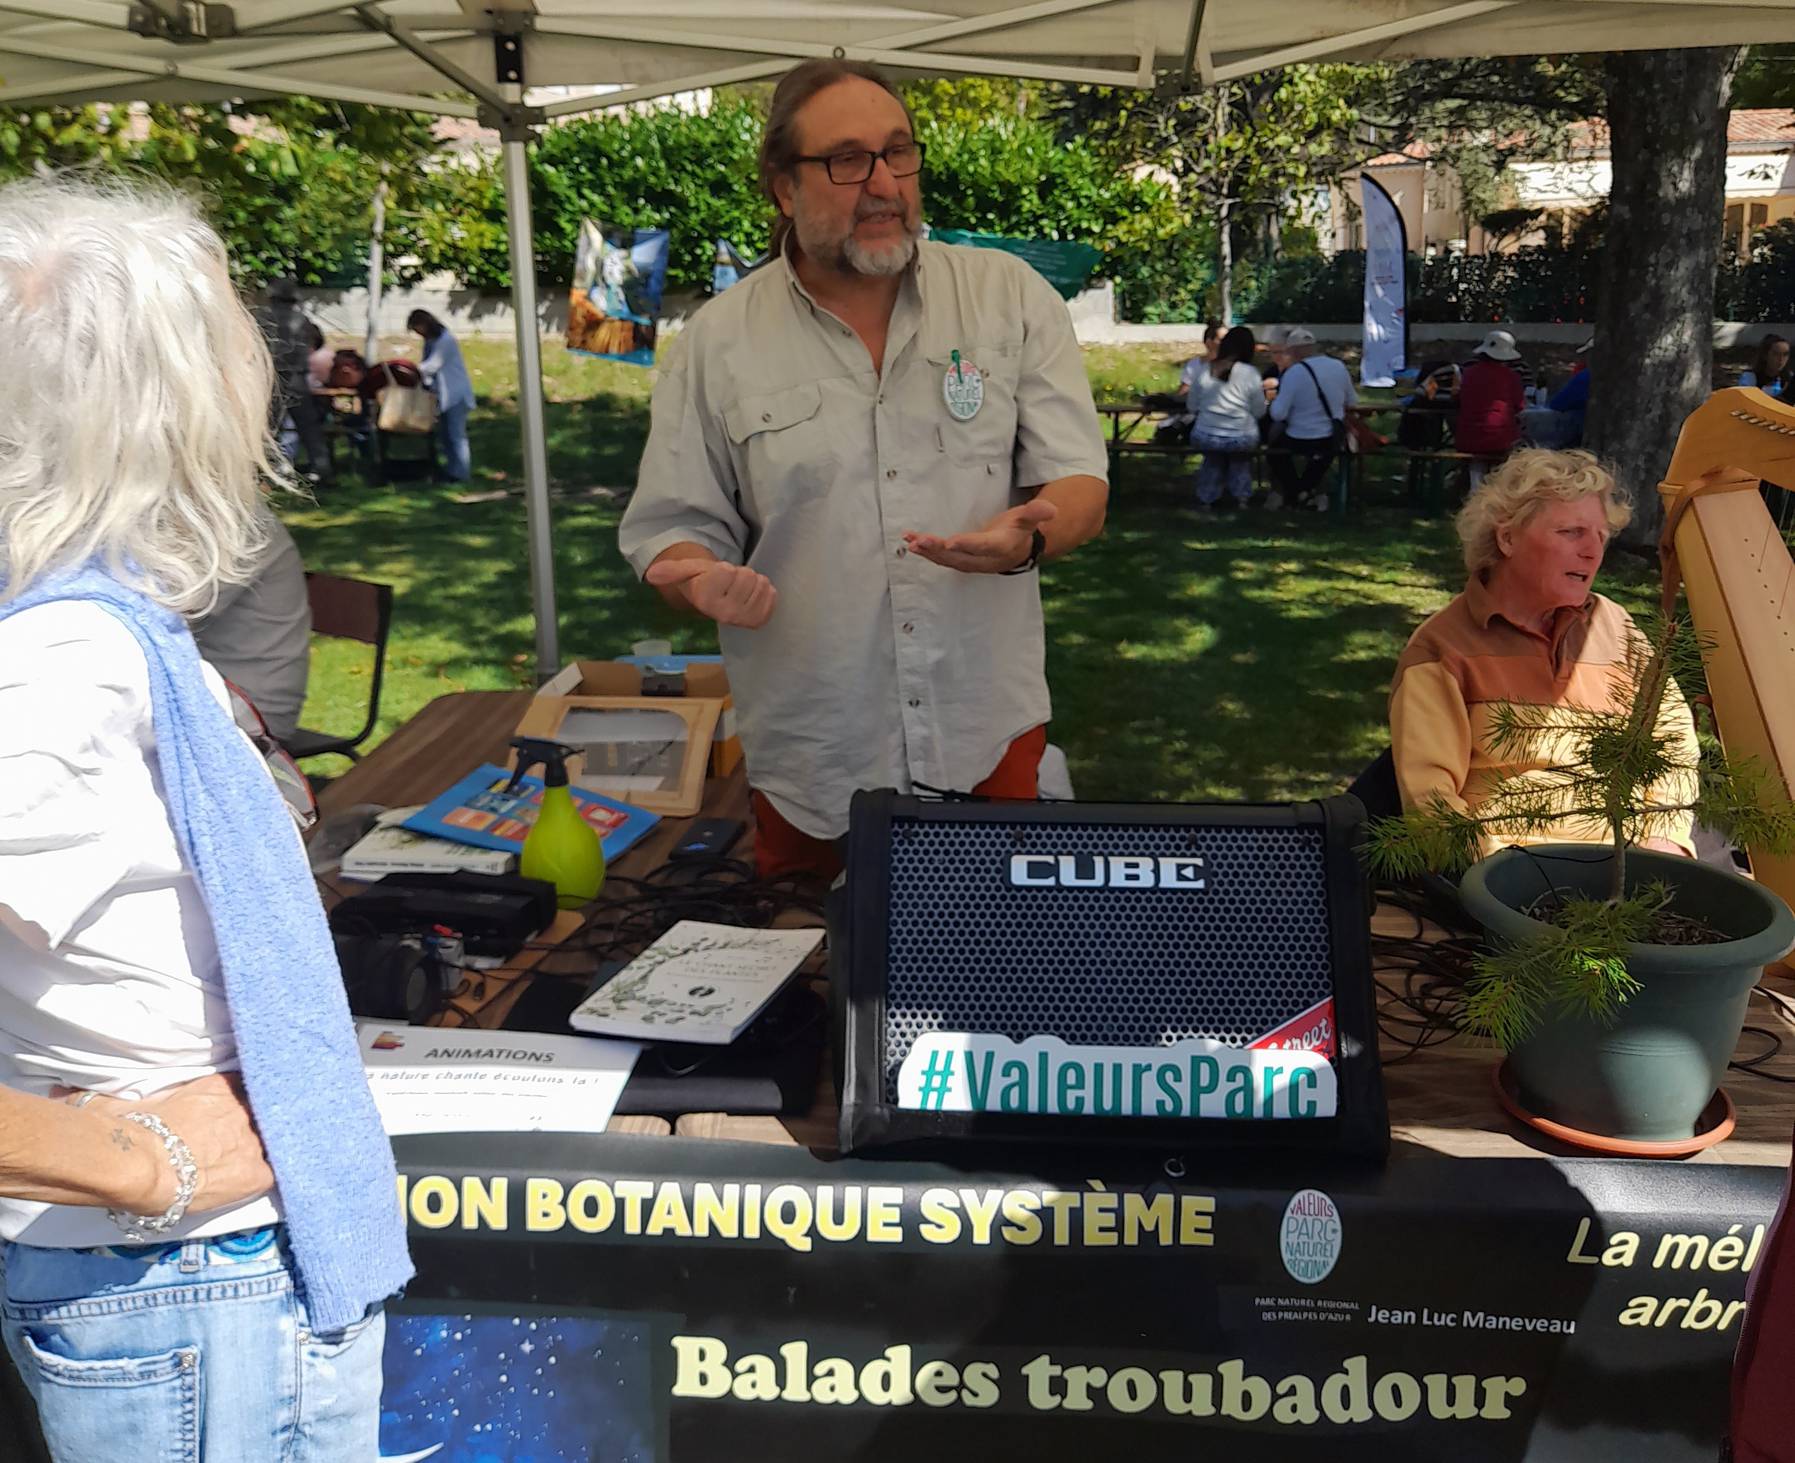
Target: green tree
(457, 223)
(693, 174)
(60, 137)
(288, 184)
(1238, 154)
(696, 176)
(970, 101)
(1478, 115)
(1665, 114)
(1766, 77)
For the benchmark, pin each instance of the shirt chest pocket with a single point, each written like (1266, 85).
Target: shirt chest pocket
(986, 439)
(783, 450)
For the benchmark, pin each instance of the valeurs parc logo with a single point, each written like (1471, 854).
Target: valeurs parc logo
(1310, 1236)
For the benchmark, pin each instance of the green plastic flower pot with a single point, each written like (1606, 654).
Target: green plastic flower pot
(1648, 1074)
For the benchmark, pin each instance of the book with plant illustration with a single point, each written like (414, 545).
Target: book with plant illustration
(699, 983)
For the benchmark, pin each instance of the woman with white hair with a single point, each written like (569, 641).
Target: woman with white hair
(1528, 628)
(158, 924)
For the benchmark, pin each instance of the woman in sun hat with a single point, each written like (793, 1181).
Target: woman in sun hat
(1490, 399)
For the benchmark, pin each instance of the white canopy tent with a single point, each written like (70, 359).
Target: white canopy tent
(474, 58)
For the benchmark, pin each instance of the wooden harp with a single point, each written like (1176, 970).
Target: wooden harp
(1722, 545)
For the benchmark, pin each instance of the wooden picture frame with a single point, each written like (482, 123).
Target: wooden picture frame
(678, 789)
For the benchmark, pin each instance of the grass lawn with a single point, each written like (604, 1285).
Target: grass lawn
(1190, 657)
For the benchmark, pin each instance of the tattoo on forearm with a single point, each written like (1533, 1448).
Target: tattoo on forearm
(121, 1138)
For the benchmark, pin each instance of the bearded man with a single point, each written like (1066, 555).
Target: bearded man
(859, 456)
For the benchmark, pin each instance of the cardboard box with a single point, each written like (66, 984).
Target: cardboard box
(649, 751)
(614, 678)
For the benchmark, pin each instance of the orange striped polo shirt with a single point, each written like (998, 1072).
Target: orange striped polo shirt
(1468, 657)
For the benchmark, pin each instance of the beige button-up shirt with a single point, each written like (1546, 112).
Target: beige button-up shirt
(775, 444)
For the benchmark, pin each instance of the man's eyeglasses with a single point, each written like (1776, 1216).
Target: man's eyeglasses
(903, 158)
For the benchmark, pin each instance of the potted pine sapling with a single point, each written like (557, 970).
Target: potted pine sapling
(1615, 977)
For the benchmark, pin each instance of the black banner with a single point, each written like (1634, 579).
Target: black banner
(643, 1299)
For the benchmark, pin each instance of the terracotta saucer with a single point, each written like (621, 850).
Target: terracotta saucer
(1715, 1125)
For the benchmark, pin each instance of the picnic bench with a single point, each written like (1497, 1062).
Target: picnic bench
(1427, 489)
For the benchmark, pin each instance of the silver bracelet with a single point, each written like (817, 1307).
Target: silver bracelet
(140, 1227)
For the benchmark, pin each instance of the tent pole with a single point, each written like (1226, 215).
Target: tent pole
(529, 395)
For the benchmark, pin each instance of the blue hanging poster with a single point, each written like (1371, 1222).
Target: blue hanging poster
(618, 276)
(731, 266)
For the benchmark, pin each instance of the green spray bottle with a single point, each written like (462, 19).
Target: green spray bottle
(561, 847)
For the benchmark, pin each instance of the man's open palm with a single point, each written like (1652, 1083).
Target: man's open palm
(1000, 545)
(731, 594)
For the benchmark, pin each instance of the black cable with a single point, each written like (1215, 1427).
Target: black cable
(1421, 991)
(1754, 1066)
(714, 889)
(947, 794)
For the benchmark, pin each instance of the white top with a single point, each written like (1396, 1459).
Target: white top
(1229, 407)
(1313, 394)
(774, 443)
(128, 998)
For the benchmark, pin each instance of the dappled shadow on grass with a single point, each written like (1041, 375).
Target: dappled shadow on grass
(461, 568)
(1247, 657)
(462, 575)
(597, 441)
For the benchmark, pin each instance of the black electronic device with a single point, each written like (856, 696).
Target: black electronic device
(389, 977)
(706, 838)
(493, 913)
(662, 683)
(1175, 977)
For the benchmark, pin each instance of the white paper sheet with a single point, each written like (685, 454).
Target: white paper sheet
(698, 983)
(432, 1079)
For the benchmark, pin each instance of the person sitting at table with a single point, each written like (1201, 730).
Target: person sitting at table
(1310, 406)
(158, 921)
(289, 333)
(1559, 423)
(319, 363)
(1174, 429)
(258, 635)
(1228, 399)
(1490, 398)
(1770, 369)
(1212, 333)
(1528, 628)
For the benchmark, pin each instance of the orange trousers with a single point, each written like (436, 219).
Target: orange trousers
(780, 848)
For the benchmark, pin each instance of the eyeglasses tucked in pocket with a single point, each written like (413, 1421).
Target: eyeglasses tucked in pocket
(294, 788)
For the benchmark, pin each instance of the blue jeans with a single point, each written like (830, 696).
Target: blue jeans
(187, 1352)
(451, 434)
(1224, 457)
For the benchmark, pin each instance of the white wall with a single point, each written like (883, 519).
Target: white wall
(465, 312)
(468, 313)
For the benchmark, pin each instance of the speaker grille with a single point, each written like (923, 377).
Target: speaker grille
(1126, 967)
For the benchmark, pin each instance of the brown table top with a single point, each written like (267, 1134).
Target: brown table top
(1440, 1098)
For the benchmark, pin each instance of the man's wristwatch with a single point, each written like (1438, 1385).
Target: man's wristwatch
(1037, 546)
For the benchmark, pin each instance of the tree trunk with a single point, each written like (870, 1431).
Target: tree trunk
(1224, 268)
(1654, 355)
